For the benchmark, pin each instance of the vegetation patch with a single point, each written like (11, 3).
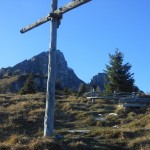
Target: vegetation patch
(22, 124)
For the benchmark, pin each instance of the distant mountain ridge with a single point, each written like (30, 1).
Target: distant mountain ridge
(38, 66)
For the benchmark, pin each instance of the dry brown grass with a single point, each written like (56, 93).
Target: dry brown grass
(7, 81)
(22, 117)
(140, 143)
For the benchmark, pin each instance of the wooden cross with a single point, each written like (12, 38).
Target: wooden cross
(54, 17)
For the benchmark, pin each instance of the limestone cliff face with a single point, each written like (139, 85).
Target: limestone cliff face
(38, 67)
(98, 80)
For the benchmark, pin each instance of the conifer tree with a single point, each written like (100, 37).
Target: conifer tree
(28, 87)
(118, 76)
(82, 89)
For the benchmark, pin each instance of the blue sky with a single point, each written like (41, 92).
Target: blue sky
(86, 35)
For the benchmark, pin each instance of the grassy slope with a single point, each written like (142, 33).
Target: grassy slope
(21, 124)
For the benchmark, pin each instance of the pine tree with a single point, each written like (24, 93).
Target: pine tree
(82, 89)
(28, 87)
(118, 76)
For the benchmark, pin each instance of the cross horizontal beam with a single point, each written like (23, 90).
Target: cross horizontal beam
(57, 14)
(70, 6)
(35, 24)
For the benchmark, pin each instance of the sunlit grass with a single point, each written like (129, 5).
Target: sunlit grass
(22, 123)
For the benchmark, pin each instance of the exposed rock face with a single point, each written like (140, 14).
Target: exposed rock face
(38, 67)
(98, 80)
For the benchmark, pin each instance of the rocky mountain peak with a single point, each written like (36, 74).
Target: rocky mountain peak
(38, 66)
(98, 80)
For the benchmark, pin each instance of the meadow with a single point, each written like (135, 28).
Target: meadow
(79, 124)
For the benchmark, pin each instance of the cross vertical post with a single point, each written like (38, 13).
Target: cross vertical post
(50, 95)
(54, 17)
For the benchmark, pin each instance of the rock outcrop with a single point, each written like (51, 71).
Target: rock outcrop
(98, 81)
(15, 77)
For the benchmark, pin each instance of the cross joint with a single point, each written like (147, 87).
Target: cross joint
(55, 15)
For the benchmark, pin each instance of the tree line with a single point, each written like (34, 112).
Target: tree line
(118, 78)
